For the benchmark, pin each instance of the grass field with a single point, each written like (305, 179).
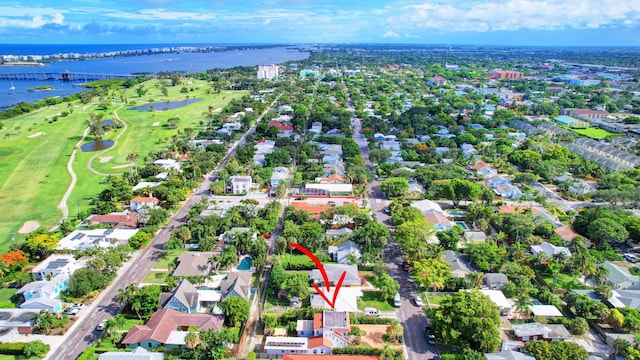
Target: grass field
(167, 258)
(295, 259)
(33, 173)
(155, 277)
(594, 133)
(565, 282)
(434, 299)
(374, 299)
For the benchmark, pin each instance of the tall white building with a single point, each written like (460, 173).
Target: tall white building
(268, 72)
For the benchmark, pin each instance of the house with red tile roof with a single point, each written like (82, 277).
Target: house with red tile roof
(326, 331)
(139, 202)
(119, 220)
(169, 328)
(436, 81)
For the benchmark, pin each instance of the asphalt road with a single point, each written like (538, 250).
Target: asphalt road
(83, 333)
(412, 317)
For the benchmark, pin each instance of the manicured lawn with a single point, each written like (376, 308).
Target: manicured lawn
(5, 297)
(33, 173)
(369, 275)
(565, 282)
(434, 299)
(374, 299)
(168, 257)
(295, 259)
(155, 277)
(129, 323)
(594, 133)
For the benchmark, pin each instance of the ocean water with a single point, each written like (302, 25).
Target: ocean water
(185, 62)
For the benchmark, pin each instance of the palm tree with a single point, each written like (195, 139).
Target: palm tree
(133, 158)
(523, 303)
(600, 274)
(192, 340)
(126, 294)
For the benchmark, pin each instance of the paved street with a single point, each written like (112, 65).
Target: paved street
(82, 334)
(411, 317)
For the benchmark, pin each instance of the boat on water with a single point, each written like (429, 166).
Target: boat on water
(12, 87)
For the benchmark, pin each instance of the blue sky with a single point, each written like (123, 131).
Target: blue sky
(493, 22)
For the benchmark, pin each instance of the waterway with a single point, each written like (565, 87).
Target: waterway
(185, 62)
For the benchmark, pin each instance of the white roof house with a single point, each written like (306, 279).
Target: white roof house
(549, 250)
(426, 206)
(545, 311)
(56, 264)
(138, 353)
(168, 164)
(500, 300)
(475, 236)
(347, 301)
(620, 278)
(83, 239)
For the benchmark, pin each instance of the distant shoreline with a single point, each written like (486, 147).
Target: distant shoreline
(22, 63)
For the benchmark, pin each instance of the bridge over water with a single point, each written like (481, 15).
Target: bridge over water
(63, 76)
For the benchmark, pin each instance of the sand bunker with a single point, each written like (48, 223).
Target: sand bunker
(122, 166)
(39, 133)
(28, 227)
(105, 159)
(157, 123)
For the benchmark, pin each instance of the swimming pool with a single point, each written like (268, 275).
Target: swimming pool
(456, 213)
(463, 225)
(245, 263)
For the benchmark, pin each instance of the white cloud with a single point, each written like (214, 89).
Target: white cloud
(390, 34)
(495, 15)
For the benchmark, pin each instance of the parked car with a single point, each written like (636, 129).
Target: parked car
(632, 258)
(71, 311)
(101, 326)
(371, 312)
(428, 333)
(78, 306)
(419, 301)
(397, 301)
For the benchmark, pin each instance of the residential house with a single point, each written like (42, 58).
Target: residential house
(168, 165)
(549, 250)
(333, 234)
(347, 301)
(184, 298)
(316, 127)
(280, 175)
(497, 297)
(580, 188)
(439, 220)
(537, 331)
(334, 272)
(263, 147)
(497, 180)
(43, 294)
(507, 191)
(460, 263)
(138, 353)
(545, 311)
(169, 328)
(436, 81)
(328, 190)
(571, 122)
(15, 322)
(240, 184)
(95, 238)
(331, 179)
(330, 357)
(118, 220)
(138, 203)
(427, 206)
(586, 114)
(495, 281)
(507, 355)
(193, 263)
(625, 298)
(56, 264)
(237, 283)
(345, 253)
(487, 172)
(326, 331)
(620, 278)
(415, 188)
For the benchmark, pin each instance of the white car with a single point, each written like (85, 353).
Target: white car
(101, 326)
(71, 311)
(78, 306)
(419, 301)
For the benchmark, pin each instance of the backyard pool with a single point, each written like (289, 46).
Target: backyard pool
(463, 225)
(245, 264)
(456, 213)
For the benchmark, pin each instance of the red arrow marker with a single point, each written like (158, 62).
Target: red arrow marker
(323, 272)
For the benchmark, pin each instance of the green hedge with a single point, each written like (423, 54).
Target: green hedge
(362, 319)
(88, 354)
(16, 348)
(251, 356)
